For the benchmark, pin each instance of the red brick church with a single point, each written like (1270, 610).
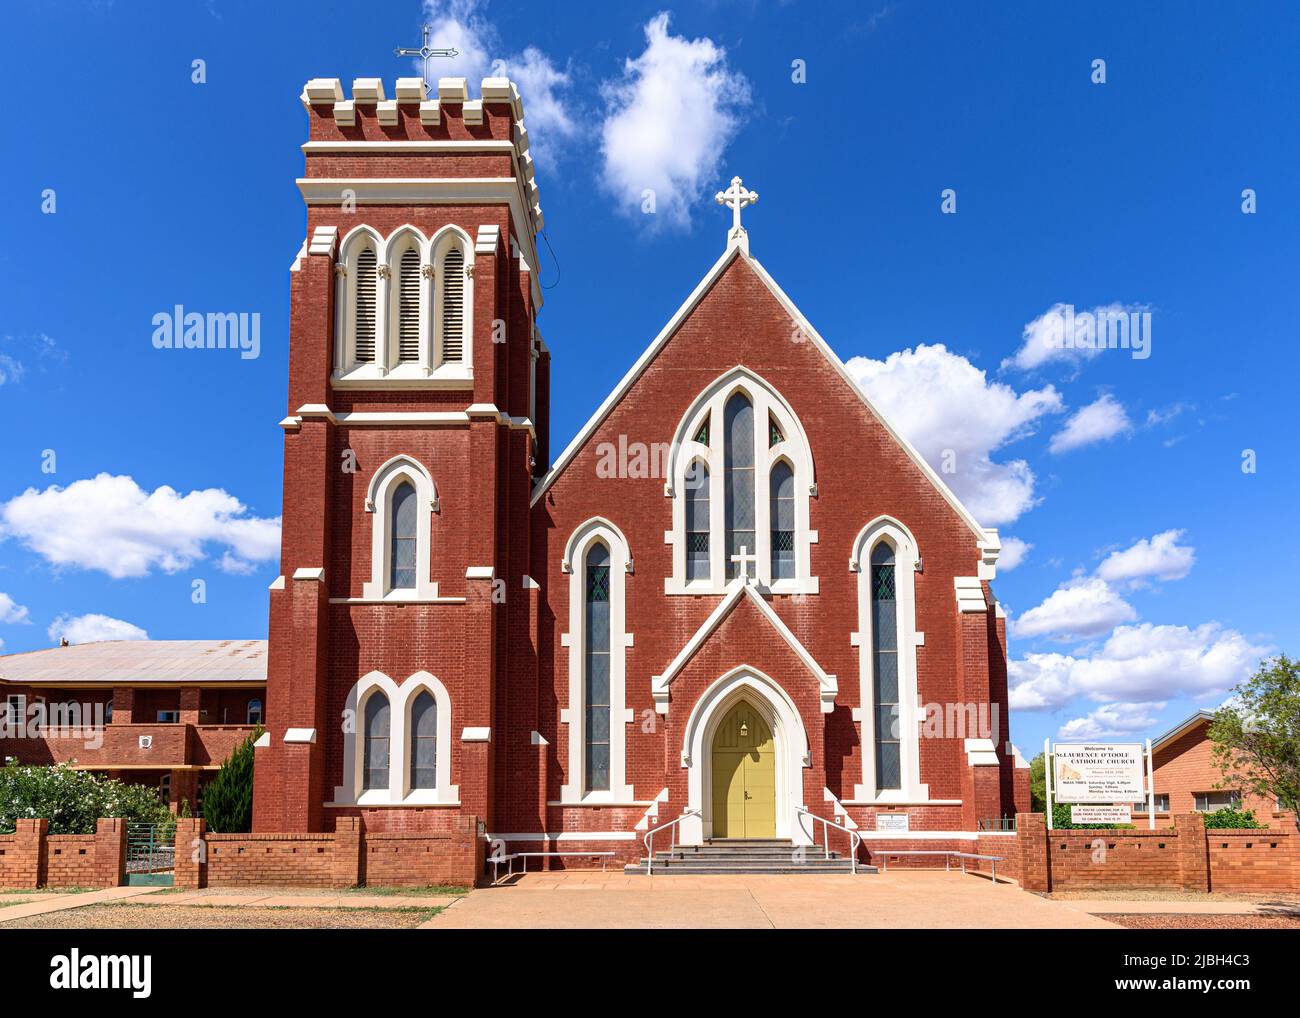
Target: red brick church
(737, 596)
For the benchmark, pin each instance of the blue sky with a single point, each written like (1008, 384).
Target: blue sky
(1153, 570)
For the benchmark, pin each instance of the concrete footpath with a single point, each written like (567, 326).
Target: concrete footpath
(899, 900)
(41, 902)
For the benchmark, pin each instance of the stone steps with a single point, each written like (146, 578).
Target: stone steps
(749, 855)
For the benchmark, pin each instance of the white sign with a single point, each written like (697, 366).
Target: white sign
(1099, 772)
(891, 822)
(1101, 815)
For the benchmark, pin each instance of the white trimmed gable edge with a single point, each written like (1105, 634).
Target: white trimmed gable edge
(659, 684)
(638, 368)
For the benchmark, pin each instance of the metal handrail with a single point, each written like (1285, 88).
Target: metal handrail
(649, 837)
(855, 839)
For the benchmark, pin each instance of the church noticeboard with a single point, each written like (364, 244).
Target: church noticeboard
(1099, 773)
(1101, 814)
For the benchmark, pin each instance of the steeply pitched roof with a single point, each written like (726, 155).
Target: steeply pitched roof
(740, 588)
(127, 662)
(697, 295)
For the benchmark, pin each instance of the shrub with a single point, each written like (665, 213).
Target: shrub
(1229, 817)
(228, 798)
(73, 801)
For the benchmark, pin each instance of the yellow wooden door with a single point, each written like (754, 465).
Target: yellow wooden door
(744, 776)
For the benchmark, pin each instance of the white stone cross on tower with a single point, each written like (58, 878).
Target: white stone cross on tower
(426, 52)
(736, 197)
(744, 558)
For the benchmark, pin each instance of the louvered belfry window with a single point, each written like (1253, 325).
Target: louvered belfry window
(367, 288)
(453, 307)
(408, 317)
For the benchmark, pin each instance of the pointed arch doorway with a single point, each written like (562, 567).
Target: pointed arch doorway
(743, 762)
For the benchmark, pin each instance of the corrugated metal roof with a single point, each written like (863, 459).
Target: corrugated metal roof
(130, 661)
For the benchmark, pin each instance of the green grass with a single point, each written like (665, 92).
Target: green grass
(10, 904)
(431, 891)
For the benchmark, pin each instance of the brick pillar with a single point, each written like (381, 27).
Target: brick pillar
(477, 772)
(1035, 848)
(185, 788)
(110, 852)
(470, 847)
(348, 859)
(123, 705)
(191, 869)
(1193, 851)
(30, 847)
(191, 698)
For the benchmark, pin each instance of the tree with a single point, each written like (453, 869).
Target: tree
(73, 801)
(1256, 734)
(228, 798)
(1038, 784)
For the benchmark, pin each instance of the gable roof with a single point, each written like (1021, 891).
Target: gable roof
(128, 662)
(1182, 728)
(742, 588)
(734, 251)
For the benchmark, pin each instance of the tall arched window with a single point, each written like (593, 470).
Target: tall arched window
(374, 774)
(451, 306)
(408, 308)
(738, 422)
(364, 311)
(423, 749)
(783, 524)
(596, 655)
(884, 650)
(403, 538)
(697, 522)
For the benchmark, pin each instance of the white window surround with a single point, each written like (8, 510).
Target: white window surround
(379, 505)
(597, 530)
(400, 700)
(766, 696)
(794, 449)
(907, 558)
(388, 252)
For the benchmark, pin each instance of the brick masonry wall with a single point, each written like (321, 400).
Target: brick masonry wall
(1253, 860)
(1186, 766)
(31, 857)
(349, 857)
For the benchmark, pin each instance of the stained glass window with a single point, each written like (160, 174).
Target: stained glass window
(782, 482)
(402, 569)
(884, 658)
(697, 522)
(375, 767)
(424, 741)
(597, 669)
(738, 423)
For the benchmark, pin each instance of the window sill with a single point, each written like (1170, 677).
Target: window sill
(456, 376)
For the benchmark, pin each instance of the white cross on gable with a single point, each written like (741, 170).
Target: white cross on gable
(736, 197)
(743, 560)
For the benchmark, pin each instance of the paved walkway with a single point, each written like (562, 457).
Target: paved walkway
(40, 903)
(885, 901)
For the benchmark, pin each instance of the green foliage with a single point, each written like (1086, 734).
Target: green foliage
(1229, 818)
(73, 801)
(228, 798)
(1256, 735)
(1038, 784)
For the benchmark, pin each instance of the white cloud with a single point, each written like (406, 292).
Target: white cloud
(1096, 422)
(1079, 609)
(93, 628)
(1112, 720)
(1043, 339)
(956, 418)
(10, 369)
(109, 523)
(1141, 663)
(1161, 558)
(1014, 552)
(12, 613)
(461, 25)
(668, 120)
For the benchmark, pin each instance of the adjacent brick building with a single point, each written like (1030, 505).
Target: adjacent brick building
(737, 594)
(163, 713)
